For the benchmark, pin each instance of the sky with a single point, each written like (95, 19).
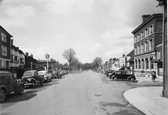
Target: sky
(92, 28)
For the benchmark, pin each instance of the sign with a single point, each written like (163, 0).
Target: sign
(47, 56)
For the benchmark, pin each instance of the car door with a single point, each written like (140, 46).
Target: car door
(9, 82)
(124, 75)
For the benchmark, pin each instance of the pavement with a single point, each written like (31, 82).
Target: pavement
(148, 99)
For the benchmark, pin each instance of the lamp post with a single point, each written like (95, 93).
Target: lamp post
(47, 57)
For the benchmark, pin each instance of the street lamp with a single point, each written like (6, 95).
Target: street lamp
(47, 57)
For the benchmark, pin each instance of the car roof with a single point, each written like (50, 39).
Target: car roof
(42, 71)
(30, 70)
(5, 72)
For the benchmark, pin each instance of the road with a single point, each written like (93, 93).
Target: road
(86, 93)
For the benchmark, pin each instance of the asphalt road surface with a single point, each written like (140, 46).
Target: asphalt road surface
(86, 93)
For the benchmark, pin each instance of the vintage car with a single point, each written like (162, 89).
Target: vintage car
(121, 74)
(9, 84)
(55, 74)
(31, 78)
(47, 76)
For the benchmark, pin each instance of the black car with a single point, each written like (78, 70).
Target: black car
(121, 74)
(31, 78)
(108, 72)
(9, 84)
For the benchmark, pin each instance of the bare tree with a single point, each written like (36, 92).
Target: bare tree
(69, 54)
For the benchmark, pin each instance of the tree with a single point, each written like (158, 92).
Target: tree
(97, 62)
(69, 54)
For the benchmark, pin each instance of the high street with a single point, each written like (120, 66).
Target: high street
(86, 93)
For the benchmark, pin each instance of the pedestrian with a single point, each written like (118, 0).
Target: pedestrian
(153, 76)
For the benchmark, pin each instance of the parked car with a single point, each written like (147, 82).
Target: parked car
(55, 74)
(31, 78)
(9, 84)
(47, 76)
(121, 74)
(108, 72)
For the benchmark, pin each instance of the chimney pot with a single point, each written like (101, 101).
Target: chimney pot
(145, 17)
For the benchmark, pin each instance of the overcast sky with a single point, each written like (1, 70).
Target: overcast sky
(93, 28)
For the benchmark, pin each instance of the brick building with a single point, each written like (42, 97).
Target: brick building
(147, 36)
(5, 46)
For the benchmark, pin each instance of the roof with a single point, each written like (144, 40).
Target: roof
(147, 21)
(131, 53)
(5, 31)
(30, 70)
(4, 72)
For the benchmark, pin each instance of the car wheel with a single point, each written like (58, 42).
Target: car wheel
(132, 79)
(2, 95)
(21, 89)
(115, 79)
(33, 84)
(41, 82)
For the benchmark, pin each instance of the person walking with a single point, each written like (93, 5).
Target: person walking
(153, 76)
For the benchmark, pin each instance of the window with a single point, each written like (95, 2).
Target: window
(158, 55)
(147, 46)
(151, 63)
(146, 32)
(142, 64)
(135, 38)
(151, 29)
(151, 44)
(142, 48)
(142, 34)
(11, 58)
(139, 49)
(138, 37)
(147, 64)
(139, 62)
(3, 37)
(4, 50)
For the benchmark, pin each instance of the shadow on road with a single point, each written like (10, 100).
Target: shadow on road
(29, 93)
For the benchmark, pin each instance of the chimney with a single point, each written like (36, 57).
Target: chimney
(31, 55)
(11, 41)
(145, 17)
(27, 54)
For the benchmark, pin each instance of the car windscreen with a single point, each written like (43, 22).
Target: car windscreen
(41, 72)
(28, 74)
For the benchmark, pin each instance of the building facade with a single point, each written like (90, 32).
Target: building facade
(5, 46)
(30, 62)
(147, 36)
(17, 57)
(42, 64)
